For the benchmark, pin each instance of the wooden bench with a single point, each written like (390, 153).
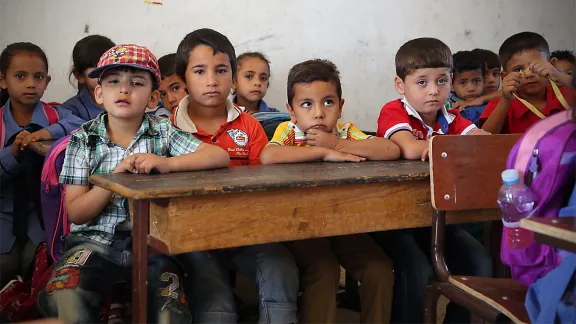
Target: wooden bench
(465, 175)
(205, 210)
(557, 232)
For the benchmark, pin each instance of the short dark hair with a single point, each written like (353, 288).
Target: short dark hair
(313, 70)
(422, 53)
(465, 61)
(257, 55)
(208, 37)
(564, 55)
(87, 53)
(490, 58)
(521, 42)
(167, 65)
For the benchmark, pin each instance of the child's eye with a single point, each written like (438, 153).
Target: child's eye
(113, 81)
(162, 94)
(137, 84)
(519, 69)
(175, 88)
(462, 82)
(20, 76)
(421, 83)
(264, 78)
(249, 77)
(328, 102)
(478, 81)
(221, 71)
(39, 76)
(199, 72)
(306, 104)
(442, 81)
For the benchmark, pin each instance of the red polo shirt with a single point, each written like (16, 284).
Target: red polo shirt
(398, 115)
(519, 118)
(241, 135)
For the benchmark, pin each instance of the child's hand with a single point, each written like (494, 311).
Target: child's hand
(478, 131)
(336, 156)
(322, 139)
(41, 135)
(424, 156)
(463, 104)
(146, 162)
(544, 69)
(127, 165)
(17, 148)
(510, 84)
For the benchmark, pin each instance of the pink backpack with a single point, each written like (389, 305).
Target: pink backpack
(546, 159)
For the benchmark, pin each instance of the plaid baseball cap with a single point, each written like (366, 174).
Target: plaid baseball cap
(131, 55)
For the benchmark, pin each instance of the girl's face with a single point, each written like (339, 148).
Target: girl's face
(88, 82)
(252, 79)
(26, 79)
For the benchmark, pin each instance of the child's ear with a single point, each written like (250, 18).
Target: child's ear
(503, 74)
(154, 98)
(341, 106)
(399, 85)
(291, 112)
(554, 61)
(79, 76)
(234, 84)
(3, 84)
(48, 79)
(98, 94)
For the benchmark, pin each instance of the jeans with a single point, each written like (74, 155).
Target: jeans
(410, 253)
(269, 266)
(83, 278)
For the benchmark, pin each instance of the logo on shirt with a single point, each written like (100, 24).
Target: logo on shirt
(418, 134)
(239, 137)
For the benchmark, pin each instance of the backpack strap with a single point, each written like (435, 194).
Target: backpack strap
(2, 128)
(533, 135)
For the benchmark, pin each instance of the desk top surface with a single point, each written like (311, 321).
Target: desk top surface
(41, 147)
(261, 177)
(563, 228)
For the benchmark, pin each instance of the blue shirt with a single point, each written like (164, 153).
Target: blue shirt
(20, 180)
(262, 106)
(82, 105)
(472, 113)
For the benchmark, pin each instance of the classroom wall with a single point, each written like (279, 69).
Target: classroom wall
(361, 36)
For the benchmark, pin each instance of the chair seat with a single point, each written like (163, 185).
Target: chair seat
(505, 295)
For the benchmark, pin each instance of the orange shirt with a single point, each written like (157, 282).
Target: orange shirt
(241, 135)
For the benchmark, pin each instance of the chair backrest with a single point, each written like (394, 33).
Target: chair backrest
(465, 170)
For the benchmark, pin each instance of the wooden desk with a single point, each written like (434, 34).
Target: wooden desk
(41, 147)
(195, 211)
(558, 232)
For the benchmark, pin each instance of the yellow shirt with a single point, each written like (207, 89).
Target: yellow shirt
(289, 134)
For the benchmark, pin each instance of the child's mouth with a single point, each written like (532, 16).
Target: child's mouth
(122, 102)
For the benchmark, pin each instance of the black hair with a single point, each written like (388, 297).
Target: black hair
(564, 55)
(11, 51)
(208, 37)
(521, 42)
(422, 53)
(257, 55)
(167, 65)
(491, 59)
(87, 53)
(465, 61)
(313, 70)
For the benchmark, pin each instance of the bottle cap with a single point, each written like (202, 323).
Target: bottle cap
(510, 176)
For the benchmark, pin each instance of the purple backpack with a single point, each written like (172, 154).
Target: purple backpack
(52, 198)
(544, 156)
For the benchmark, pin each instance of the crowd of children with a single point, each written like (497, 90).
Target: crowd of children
(200, 125)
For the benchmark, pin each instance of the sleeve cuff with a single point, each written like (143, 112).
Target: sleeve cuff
(57, 130)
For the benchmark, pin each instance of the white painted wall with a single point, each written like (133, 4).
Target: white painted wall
(360, 36)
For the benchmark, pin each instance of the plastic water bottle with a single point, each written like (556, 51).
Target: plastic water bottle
(516, 202)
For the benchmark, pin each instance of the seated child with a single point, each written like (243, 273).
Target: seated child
(468, 83)
(23, 119)
(563, 61)
(172, 88)
(315, 105)
(85, 57)
(423, 69)
(205, 59)
(527, 74)
(122, 139)
(251, 82)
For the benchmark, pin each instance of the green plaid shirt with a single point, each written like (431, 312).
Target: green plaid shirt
(90, 151)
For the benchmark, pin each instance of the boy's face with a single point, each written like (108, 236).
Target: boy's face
(562, 66)
(531, 84)
(126, 92)
(468, 85)
(172, 91)
(425, 89)
(26, 79)
(491, 80)
(208, 77)
(252, 79)
(315, 105)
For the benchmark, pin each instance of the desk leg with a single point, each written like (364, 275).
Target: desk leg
(140, 223)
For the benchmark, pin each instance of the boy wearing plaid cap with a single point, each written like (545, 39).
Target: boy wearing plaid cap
(122, 139)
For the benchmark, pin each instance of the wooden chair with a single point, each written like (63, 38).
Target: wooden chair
(465, 175)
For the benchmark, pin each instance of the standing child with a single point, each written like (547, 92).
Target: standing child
(122, 139)
(315, 105)
(24, 118)
(172, 87)
(85, 56)
(468, 83)
(206, 60)
(527, 76)
(251, 82)
(423, 69)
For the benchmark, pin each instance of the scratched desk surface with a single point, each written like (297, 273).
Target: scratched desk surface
(262, 177)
